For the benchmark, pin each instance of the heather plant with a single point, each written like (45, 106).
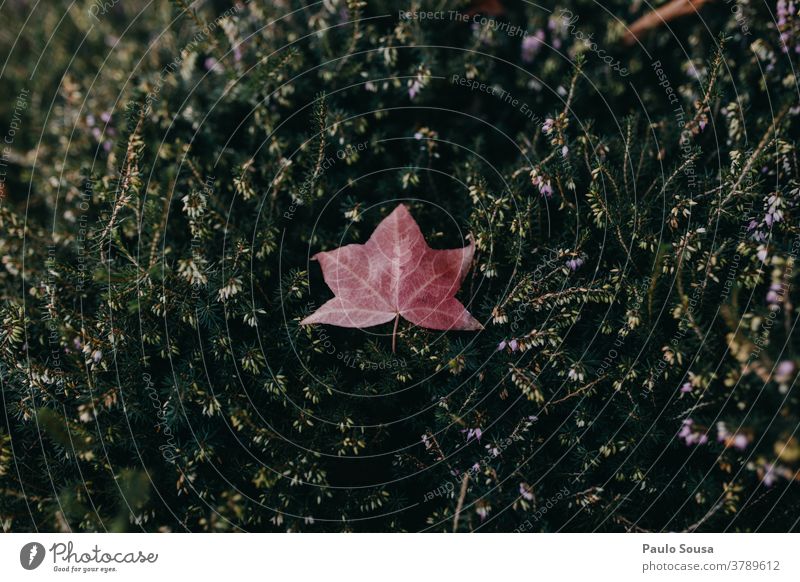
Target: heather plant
(169, 169)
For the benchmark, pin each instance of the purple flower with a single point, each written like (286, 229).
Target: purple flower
(787, 25)
(690, 435)
(575, 264)
(482, 511)
(548, 125)
(687, 387)
(740, 441)
(769, 475)
(775, 206)
(475, 433)
(775, 294)
(514, 345)
(531, 46)
(542, 183)
(501, 345)
(784, 371)
(414, 89)
(525, 491)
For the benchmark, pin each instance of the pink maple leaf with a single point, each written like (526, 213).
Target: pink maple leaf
(395, 274)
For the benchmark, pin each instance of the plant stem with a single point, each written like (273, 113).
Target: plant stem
(394, 333)
(461, 496)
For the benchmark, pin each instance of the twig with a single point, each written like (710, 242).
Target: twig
(577, 392)
(394, 333)
(630, 525)
(130, 171)
(752, 160)
(461, 496)
(706, 517)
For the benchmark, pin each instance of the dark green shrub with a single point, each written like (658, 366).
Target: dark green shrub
(636, 273)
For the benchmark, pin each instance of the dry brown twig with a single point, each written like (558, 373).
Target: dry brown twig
(655, 18)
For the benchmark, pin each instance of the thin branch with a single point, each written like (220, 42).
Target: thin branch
(394, 333)
(662, 15)
(461, 496)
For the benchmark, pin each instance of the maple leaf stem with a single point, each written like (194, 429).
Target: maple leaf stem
(394, 333)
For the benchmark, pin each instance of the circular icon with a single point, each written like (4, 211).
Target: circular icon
(31, 555)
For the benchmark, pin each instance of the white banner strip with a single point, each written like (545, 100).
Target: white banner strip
(401, 557)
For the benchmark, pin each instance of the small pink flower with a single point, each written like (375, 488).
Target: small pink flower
(212, 64)
(475, 433)
(784, 371)
(482, 511)
(690, 435)
(531, 46)
(769, 477)
(740, 442)
(575, 264)
(525, 491)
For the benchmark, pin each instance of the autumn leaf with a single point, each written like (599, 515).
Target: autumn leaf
(395, 274)
(669, 11)
(486, 8)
